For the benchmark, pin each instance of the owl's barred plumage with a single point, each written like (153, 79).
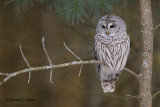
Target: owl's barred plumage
(112, 45)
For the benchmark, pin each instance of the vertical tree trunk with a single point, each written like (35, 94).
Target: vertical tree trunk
(145, 97)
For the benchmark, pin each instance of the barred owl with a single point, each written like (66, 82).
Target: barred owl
(112, 45)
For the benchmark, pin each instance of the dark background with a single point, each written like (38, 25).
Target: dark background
(68, 90)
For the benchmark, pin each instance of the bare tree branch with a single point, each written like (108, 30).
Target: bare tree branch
(132, 96)
(155, 94)
(47, 68)
(6, 74)
(29, 78)
(71, 52)
(80, 70)
(49, 60)
(133, 73)
(76, 57)
(156, 27)
(31, 69)
(51, 66)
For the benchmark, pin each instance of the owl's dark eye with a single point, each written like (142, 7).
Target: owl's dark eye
(112, 26)
(103, 26)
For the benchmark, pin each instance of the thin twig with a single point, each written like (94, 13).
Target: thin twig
(131, 72)
(132, 96)
(80, 70)
(49, 60)
(29, 78)
(6, 74)
(24, 56)
(71, 51)
(155, 94)
(156, 27)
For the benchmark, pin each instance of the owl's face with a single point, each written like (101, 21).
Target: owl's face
(110, 25)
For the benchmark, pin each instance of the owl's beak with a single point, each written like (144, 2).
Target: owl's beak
(107, 32)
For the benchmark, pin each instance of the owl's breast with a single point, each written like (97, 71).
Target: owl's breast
(114, 55)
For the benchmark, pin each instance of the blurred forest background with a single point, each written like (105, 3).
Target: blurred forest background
(25, 22)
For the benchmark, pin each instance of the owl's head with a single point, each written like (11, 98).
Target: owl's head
(110, 25)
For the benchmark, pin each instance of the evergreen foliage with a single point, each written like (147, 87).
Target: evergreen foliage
(21, 5)
(73, 11)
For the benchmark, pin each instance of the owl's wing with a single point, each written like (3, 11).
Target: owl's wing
(106, 76)
(96, 58)
(95, 54)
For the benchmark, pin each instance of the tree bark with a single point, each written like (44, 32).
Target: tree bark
(145, 97)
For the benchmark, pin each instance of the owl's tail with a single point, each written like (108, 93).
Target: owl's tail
(108, 86)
